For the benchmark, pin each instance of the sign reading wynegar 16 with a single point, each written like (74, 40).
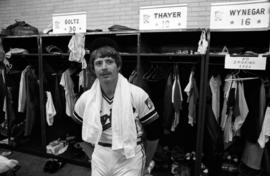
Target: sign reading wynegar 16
(240, 15)
(163, 17)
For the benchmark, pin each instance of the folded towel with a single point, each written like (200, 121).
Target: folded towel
(124, 134)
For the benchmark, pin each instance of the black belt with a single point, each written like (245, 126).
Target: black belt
(110, 145)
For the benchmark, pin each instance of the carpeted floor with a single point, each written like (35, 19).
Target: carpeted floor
(32, 165)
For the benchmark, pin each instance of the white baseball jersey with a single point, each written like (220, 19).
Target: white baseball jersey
(142, 107)
(106, 161)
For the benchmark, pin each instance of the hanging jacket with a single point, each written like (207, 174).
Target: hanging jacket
(255, 97)
(2, 90)
(139, 81)
(211, 124)
(32, 101)
(215, 83)
(177, 98)
(226, 90)
(213, 143)
(266, 159)
(10, 108)
(167, 104)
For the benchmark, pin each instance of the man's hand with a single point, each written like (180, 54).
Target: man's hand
(146, 173)
(148, 170)
(150, 150)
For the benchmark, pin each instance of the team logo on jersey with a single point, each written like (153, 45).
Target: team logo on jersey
(106, 121)
(149, 103)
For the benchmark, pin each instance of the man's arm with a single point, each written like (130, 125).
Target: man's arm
(150, 150)
(153, 132)
(76, 117)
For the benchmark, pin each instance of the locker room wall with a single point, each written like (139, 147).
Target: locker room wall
(101, 14)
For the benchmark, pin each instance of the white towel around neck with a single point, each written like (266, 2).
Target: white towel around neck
(124, 134)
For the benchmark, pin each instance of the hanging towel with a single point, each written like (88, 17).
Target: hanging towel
(124, 134)
(203, 43)
(77, 51)
(50, 109)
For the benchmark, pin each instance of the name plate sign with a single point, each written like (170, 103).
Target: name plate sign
(69, 23)
(240, 15)
(163, 17)
(247, 63)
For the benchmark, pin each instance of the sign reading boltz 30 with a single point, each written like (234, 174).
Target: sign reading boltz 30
(69, 22)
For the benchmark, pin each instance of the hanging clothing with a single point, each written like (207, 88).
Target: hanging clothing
(266, 155)
(241, 107)
(266, 158)
(215, 83)
(32, 100)
(167, 104)
(50, 109)
(58, 95)
(57, 91)
(193, 95)
(255, 97)
(265, 132)
(77, 51)
(213, 144)
(86, 79)
(211, 123)
(2, 89)
(226, 91)
(138, 81)
(10, 110)
(252, 155)
(22, 91)
(235, 112)
(3, 106)
(177, 98)
(132, 76)
(68, 85)
(228, 132)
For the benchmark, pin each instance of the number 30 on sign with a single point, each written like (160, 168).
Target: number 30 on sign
(69, 23)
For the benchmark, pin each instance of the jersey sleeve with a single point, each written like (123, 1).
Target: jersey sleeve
(146, 109)
(79, 108)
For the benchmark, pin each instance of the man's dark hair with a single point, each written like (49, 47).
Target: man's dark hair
(105, 51)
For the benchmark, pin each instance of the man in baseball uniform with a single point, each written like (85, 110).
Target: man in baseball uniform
(116, 117)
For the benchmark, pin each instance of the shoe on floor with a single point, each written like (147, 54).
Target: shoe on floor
(53, 165)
